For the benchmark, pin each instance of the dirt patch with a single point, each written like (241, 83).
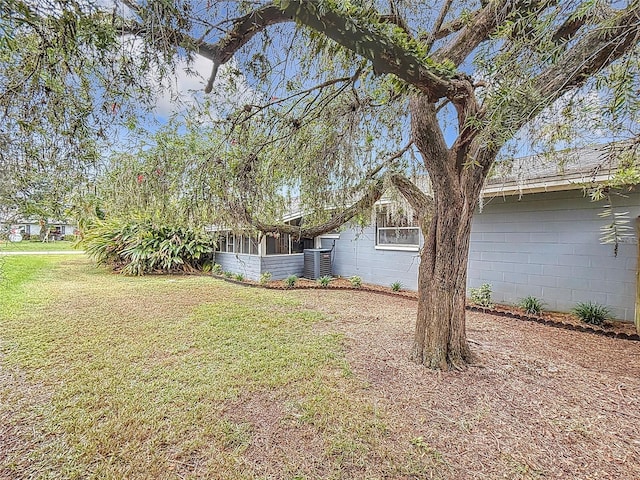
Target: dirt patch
(280, 445)
(18, 437)
(538, 402)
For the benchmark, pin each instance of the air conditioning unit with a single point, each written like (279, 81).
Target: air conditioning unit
(317, 263)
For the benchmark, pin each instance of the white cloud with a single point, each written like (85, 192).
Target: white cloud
(186, 88)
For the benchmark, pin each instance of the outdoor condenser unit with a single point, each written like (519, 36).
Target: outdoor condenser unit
(317, 263)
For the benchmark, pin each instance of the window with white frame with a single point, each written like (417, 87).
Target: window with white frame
(241, 244)
(396, 230)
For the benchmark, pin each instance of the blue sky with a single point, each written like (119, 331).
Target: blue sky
(188, 88)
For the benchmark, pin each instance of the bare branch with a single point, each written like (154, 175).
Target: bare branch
(570, 27)
(255, 109)
(474, 33)
(394, 17)
(387, 162)
(243, 30)
(480, 27)
(438, 24)
(454, 26)
(593, 52)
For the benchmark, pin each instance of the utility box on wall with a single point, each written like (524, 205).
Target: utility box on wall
(317, 263)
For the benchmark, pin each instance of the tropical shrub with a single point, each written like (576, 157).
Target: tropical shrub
(482, 295)
(324, 281)
(356, 281)
(291, 281)
(396, 286)
(531, 305)
(217, 269)
(227, 274)
(265, 277)
(239, 277)
(141, 247)
(591, 312)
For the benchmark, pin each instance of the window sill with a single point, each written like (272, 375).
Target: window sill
(237, 254)
(399, 248)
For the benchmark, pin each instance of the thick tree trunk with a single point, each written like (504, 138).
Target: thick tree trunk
(440, 338)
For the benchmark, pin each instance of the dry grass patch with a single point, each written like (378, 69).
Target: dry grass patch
(177, 377)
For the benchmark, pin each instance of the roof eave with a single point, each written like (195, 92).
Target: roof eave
(547, 184)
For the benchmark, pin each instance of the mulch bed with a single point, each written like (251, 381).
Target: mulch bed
(537, 402)
(611, 328)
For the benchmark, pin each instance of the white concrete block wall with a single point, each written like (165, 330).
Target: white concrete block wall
(355, 254)
(548, 245)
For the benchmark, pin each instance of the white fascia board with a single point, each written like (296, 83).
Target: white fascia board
(551, 184)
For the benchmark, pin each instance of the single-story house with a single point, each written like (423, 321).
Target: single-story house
(29, 228)
(538, 233)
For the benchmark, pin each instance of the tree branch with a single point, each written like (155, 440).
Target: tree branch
(421, 203)
(372, 195)
(438, 24)
(596, 50)
(432, 145)
(480, 27)
(570, 27)
(453, 26)
(243, 30)
(255, 109)
(370, 175)
(386, 53)
(474, 32)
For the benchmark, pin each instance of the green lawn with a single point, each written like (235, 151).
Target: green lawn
(103, 376)
(34, 245)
